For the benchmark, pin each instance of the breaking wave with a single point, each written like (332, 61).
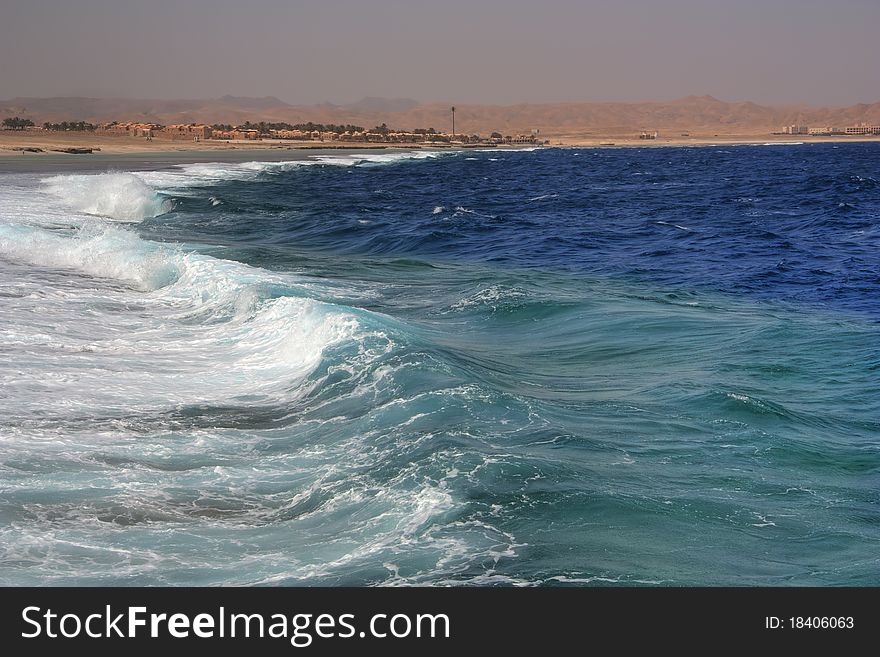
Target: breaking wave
(119, 196)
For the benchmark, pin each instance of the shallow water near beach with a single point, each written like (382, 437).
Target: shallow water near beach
(538, 367)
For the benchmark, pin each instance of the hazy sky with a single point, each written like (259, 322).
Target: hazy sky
(492, 51)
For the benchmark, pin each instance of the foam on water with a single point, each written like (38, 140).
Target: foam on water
(180, 177)
(196, 312)
(377, 158)
(98, 250)
(118, 196)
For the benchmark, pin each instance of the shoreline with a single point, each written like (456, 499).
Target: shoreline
(123, 152)
(153, 160)
(702, 140)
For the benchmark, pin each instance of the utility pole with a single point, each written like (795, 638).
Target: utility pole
(453, 121)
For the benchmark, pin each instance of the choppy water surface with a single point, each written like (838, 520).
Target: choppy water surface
(489, 367)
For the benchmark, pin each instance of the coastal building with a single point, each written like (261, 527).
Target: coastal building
(185, 132)
(523, 139)
(301, 135)
(401, 137)
(825, 130)
(234, 133)
(379, 135)
(862, 129)
(147, 130)
(383, 135)
(649, 135)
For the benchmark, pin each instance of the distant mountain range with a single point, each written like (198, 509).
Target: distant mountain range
(700, 114)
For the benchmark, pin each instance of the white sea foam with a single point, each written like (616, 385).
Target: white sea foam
(119, 196)
(205, 329)
(666, 223)
(353, 159)
(98, 250)
(493, 297)
(461, 210)
(177, 179)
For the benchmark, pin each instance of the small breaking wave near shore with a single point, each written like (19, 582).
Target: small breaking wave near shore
(122, 197)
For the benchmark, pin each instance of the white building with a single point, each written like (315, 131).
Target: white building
(863, 129)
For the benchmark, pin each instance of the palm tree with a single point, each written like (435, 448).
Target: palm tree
(16, 123)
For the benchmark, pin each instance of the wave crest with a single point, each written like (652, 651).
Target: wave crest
(118, 196)
(97, 250)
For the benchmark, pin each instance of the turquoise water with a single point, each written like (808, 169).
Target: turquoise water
(547, 367)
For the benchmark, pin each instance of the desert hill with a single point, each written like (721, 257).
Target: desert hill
(693, 113)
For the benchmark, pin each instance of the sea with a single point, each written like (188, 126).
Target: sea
(541, 367)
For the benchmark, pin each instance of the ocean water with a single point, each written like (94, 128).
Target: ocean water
(547, 367)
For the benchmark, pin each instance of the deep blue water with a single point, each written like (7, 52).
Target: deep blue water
(594, 366)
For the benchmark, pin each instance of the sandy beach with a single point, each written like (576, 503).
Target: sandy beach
(124, 153)
(13, 141)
